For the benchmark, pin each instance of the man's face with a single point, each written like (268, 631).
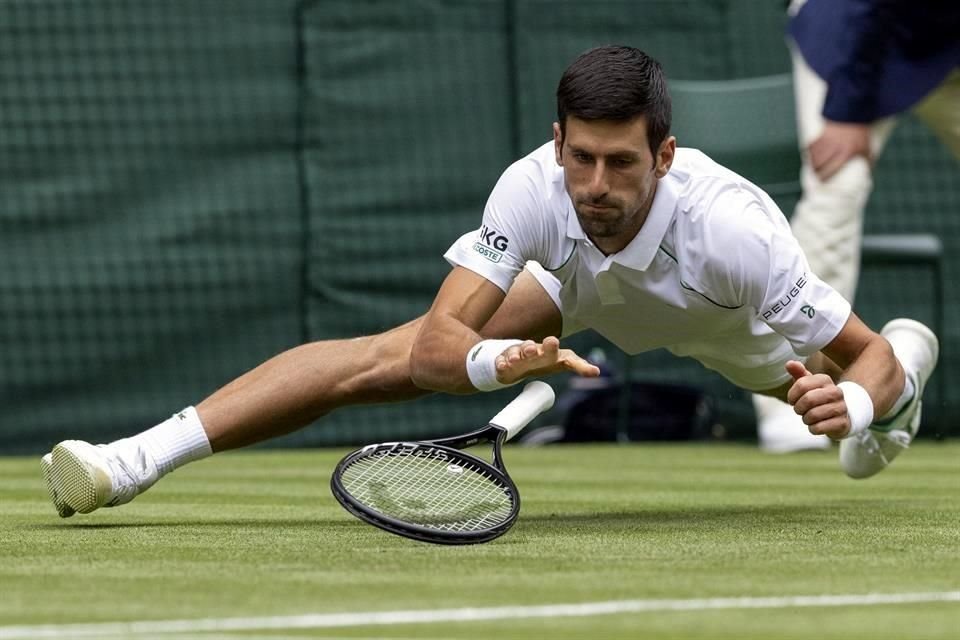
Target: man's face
(611, 176)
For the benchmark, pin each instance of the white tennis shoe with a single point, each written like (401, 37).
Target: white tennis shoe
(46, 464)
(873, 449)
(82, 477)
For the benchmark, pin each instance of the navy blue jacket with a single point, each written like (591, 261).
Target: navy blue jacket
(878, 57)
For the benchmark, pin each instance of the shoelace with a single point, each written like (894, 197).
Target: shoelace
(898, 437)
(871, 445)
(868, 442)
(124, 478)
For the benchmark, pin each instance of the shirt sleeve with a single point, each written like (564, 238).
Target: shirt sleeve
(797, 304)
(512, 231)
(848, 44)
(853, 86)
(754, 260)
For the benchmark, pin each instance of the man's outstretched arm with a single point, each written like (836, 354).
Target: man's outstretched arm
(450, 333)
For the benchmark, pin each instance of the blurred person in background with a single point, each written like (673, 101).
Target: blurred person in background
(857, 65)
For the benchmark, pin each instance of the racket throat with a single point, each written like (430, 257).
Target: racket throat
(498, 449)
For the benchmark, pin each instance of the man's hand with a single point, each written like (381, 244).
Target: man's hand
(819, 401)
(837, 145)
(536, 359)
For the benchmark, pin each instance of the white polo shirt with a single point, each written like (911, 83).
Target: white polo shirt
(714, 273)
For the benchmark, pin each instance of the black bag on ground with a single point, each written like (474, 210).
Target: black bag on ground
(651, 411)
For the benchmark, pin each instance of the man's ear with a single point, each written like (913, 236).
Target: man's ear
(665, 154)
(558, 143)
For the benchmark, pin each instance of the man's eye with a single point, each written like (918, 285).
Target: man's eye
(622, 162)
(582, 157)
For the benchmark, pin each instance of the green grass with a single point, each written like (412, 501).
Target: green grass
(257, 534)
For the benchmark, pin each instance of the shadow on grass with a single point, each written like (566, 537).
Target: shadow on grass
(240, 523)
(764, 516)
(687, 518)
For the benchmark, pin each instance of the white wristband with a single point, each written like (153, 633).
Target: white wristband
(859, 406)
(482, 363)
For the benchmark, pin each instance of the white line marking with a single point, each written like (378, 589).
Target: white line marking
(427, 616)
(245, 635)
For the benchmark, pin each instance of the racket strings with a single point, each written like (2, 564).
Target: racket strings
(432, 491)
(474, 494)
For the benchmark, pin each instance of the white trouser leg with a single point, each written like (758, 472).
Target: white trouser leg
(828, 219)
(781, 430)
(828, 224)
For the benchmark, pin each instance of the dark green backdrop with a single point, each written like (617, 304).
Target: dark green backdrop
(188, 187)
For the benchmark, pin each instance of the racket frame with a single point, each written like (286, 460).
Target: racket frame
(452, 447)
(535, 398)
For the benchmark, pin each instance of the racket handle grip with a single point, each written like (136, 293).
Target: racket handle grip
(535, 398)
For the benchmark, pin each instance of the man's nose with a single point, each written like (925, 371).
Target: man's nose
(599, 185)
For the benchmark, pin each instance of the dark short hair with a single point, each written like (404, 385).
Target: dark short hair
(616, 83)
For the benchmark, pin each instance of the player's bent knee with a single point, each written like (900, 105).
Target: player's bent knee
(381, 370)
(851, 183)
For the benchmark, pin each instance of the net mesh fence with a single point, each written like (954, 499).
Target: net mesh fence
(190, 187)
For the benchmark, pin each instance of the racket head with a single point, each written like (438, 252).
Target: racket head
(426, 491)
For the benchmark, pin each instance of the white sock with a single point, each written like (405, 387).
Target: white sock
(906, 396)
(172, 443)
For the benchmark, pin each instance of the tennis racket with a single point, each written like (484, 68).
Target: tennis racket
(434, 492)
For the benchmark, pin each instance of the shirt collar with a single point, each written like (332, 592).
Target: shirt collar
(640, 252)
(574, 230)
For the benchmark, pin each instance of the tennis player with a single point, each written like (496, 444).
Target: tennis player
(610, 227)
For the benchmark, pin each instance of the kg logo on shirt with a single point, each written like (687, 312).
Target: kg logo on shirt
(491, 245)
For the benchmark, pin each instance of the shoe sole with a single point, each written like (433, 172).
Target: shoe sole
(63, 509)
(930, 341)
(922, 331)
(81, 486)
(849, 457)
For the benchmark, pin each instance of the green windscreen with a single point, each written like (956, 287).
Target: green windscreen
(150, 221)
(190, 187)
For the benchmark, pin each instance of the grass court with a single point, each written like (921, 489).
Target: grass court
(631, 541)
